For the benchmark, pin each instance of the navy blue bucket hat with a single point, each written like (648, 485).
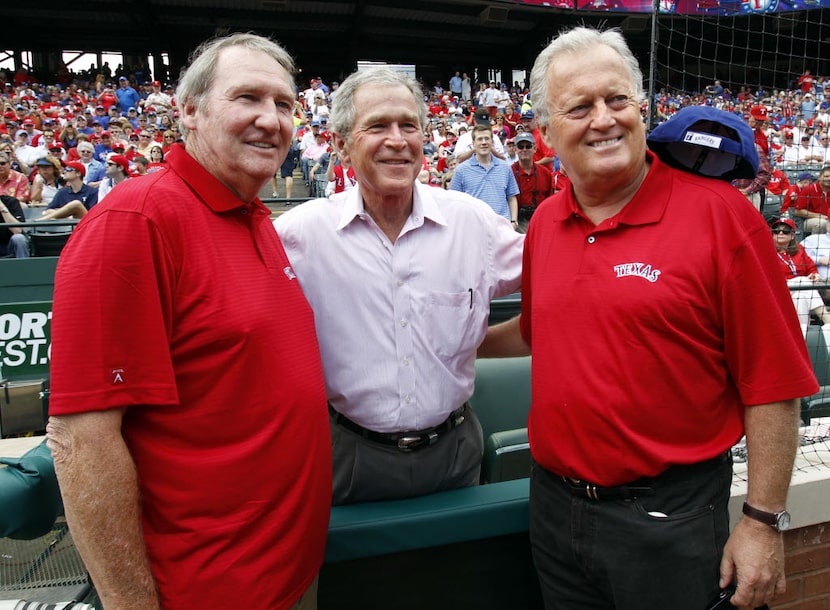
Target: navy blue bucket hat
(706, 141)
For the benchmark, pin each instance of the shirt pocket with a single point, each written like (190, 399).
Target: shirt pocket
(450, 320)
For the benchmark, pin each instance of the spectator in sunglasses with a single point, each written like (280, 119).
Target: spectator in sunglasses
(800, 270)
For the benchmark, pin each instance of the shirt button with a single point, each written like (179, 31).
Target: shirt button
(405, 361)
(403, 323)
(591, 239)
(244, 210)
(400, 282)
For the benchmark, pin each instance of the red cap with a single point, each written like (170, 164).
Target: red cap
(785, 221)
(156, 83)
(759, 113)
(79, 167)
(57, 144)
(104, 134)
(120, 160)
(28, 122)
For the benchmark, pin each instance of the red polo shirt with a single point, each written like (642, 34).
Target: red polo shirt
(647, 347)
(176, 300)
(534, 186)
(813, 199)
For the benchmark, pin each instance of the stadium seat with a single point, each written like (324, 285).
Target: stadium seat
(318, 187)
(772, 206)
(506, 456)
(501, 400)
(29, 497)
(48, 243)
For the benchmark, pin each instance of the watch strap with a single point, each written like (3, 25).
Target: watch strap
(763, 516)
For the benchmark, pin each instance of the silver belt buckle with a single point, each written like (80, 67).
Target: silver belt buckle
(405, 442)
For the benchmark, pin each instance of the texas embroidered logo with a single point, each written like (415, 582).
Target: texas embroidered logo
(639, 269)
(118, 376)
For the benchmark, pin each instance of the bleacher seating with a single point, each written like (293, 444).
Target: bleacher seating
(48, 243)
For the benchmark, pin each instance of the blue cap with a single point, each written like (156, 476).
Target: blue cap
(708, 142)
(527, 114)
(315, 123)
(805, 176)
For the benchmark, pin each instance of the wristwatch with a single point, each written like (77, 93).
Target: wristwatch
(778, 521)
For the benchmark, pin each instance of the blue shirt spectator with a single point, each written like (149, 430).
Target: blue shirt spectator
(127, 96)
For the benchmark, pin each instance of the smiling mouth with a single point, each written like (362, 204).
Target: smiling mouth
(263, 145)
(605, 143)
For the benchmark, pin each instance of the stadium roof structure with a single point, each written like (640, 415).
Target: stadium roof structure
(325, 36)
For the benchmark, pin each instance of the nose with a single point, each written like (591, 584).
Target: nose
(269, 118)
(394, 136)
(601, 116)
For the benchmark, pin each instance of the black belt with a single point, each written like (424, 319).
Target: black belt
(584, 489)
(640, 487)
(405, 441)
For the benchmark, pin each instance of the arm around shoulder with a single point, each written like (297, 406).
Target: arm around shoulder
(101, 498)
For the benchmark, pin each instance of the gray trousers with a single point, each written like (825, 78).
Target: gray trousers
(367, 471)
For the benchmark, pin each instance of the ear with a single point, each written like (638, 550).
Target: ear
(187, 115)
(341, 145)
(547, 135)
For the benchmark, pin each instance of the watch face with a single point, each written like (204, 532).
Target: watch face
(783, 521)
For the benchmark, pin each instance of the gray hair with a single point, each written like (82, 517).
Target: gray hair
(197, 79)
(574, 41)
(343, 111)
(85, 145)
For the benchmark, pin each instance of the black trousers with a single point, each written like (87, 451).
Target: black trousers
(654, 552)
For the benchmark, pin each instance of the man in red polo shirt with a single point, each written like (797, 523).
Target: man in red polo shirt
(634, 415)
(813, 203)
(189, 423)
(535, 181)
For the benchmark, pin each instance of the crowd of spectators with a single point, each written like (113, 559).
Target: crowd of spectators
(64, 146)
(791, 136)
(93, 116)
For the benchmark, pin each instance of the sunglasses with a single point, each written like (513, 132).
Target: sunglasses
(782, 231)
(524, 146)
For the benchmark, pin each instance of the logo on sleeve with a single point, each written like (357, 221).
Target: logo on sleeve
(637, 269)
(117, 376)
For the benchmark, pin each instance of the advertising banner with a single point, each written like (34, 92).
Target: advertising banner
(25, 339)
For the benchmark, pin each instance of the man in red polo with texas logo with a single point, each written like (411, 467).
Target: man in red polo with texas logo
(633, 416)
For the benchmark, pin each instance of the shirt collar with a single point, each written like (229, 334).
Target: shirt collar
(207, 187)
(424, 207)
(648, 204)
